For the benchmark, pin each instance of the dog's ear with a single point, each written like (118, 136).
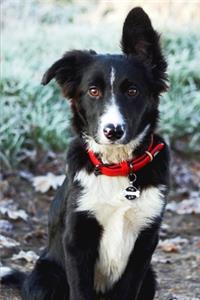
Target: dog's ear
(68, 70)
(141, 40)
(139, 37)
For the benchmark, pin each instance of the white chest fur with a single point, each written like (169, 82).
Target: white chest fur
(121, 219)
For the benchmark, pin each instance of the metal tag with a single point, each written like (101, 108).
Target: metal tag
(131, 192)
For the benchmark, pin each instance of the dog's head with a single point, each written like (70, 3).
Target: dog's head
(114, 98)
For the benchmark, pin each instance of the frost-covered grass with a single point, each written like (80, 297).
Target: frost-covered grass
(180, 107)
(34, 117)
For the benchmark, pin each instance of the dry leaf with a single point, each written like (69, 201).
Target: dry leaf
(44, 183)
(160, 259)
(38, 233)
(6, 242)
(185, 207)
(29, 256)
(182, 297)
(5, 226)
(9, 208)
(4, 186)
(26, 175)
(172, 245)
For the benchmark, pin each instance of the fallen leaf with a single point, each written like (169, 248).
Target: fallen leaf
(44, 183)
(38, 233)
(9, 208)
(190, 206)
(182, 297)
(26, 175)
(29, 256)
(165, 226)
(4, 186)
(5, 226)
(172, 245)
(161, 260)
(6, 242)
(197, 245)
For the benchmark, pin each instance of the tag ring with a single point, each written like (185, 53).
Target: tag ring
(132, 177)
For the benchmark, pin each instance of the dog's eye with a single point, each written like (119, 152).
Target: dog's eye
(94, 91)
(132, 91)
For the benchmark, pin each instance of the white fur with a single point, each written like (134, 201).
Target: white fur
(111, 114)
(121, 219)
(118, 152)
(112, 79)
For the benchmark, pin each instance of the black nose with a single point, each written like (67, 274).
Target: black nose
(112, 132)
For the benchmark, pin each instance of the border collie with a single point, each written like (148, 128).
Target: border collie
(104, 221)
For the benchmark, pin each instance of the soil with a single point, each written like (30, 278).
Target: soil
(177, 265)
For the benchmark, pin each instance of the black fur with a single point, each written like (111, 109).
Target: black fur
(14, 279)
(66, 268)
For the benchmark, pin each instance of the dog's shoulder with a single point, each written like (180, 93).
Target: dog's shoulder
(77, 157)
(58, 203)
(157, 172)
(159, 139)
(161, 162)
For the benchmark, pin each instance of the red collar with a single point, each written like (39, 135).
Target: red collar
(126, 167)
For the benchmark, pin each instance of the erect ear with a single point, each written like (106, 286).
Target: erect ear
(138, 35)
(141, 40)
(68, 71)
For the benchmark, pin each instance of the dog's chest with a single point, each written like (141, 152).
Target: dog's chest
(121, 219)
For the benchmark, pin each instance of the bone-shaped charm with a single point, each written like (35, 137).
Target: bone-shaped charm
(131, 193)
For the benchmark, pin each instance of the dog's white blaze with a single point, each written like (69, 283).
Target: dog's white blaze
(112, 79)
(116, 153)
(122, 220)
(111, 113)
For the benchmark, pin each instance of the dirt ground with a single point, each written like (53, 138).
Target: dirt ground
(176, 260)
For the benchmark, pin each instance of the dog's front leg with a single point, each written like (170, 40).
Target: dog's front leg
(138, 281)
(81, 244)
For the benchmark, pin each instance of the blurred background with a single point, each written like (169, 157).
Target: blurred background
(35, 123)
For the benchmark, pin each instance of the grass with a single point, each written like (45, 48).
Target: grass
(34, 117)
(180, 107)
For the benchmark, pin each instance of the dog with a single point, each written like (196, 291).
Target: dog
(104, 221)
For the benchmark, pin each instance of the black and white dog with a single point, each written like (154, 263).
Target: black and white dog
(104, 221)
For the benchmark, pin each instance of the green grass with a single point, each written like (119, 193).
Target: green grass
(34, 117)
(180, 107)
